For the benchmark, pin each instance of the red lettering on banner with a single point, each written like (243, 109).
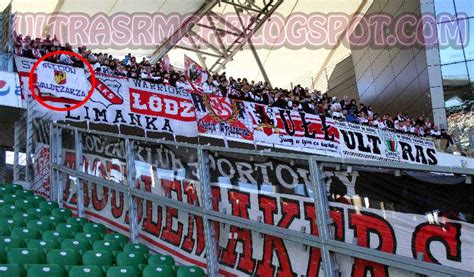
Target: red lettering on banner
(117, 210)
(314, 261)
(448, 234)
(193, 220)
(168, 234)
(160, 105)
(216, 199)
(240, 202)
(289, 211)
(150, 226)
(364, 224)
(70, 162)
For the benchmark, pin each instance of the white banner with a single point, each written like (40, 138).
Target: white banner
(10, 89)
(62, 81)
(439, 238)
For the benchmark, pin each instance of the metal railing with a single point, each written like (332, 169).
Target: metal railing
(325, 241)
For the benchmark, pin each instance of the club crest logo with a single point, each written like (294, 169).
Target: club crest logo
(221, 108)
(110, 91)
(60, 77)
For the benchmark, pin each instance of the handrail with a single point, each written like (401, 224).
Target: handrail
(277, 154)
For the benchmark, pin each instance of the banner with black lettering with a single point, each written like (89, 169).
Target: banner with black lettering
(364, 142)
(122, 101)
(405, 215)
(62, 81)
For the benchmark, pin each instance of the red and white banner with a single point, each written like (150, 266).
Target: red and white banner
(179, 112)
(440, 235)
(62, 81)
(41, 167)
(293, 130)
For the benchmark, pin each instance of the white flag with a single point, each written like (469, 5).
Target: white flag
(62, 81)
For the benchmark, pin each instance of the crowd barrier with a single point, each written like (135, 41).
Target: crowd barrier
(185, 113)
(248, 212)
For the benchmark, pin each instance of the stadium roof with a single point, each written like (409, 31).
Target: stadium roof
(283, 64)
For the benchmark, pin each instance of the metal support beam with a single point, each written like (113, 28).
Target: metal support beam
(182, 31)
(79, 182)
(259, 11)
(322, 216)
(132, 206)
(206, 198)
(16, 155)
(259, 63)
(29, 140)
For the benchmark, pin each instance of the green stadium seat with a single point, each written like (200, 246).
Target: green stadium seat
(45, 270)
(24, 192)
(61, 212)
(10, 270)
(11, 187)
(36, 198)
(90, 271)
(116, 237)
(82, 245)
(3, 257)
(3, 202)
(64, 257)
(157, 270)
(5, 190)
(25, 233)
(136, 247)
(23, 216)
(189, 271)
(79, 220)
(43, 245)
(4, 231)
(94, 228)
(11, 198)
(53, 219)
(111, 246)
(57, 235)
(10, 242)
(91, 237)
(98, 258)
(48, 205)
(22, 256)
(40, 225)
(11, 223)
(134, 259)
(8, 211)
(74, 227)
(25, 204)
(161, 260)
(122, 271)
(38, 212)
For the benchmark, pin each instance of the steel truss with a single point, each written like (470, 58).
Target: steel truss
(251, 14)
(325, 241)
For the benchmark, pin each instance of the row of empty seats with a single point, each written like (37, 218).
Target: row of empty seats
(38, 238)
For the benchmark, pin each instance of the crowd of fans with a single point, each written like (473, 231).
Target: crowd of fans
(297, 99)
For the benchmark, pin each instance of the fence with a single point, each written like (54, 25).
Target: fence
(246, 212)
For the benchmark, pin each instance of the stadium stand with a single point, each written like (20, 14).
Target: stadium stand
(37, 238)
(296, 99)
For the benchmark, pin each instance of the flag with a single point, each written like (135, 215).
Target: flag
(195, 74)
(62, 81)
